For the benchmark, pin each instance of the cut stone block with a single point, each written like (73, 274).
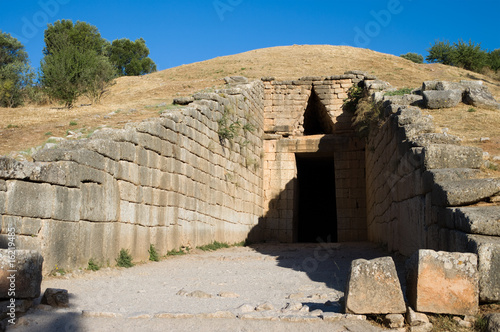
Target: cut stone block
(465, 192)
(442, 99)
(480, 97)
(452, 156)
(484, 220)
(488, 250)
(20, 274)
(443, 282)
(373, 288)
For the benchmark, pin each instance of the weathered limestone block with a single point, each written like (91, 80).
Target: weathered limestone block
(20, 273)
(100, 202)
(235, 79)
(493, 322)
(56, 297)
(488, 250)
(443, 282)
(442, 98)
(427, 139)
(452, 156)
(480, 97)
(27, 199)
(465, 192)
(22, 226)
(68, 203)
(483, 220)
(373, 288)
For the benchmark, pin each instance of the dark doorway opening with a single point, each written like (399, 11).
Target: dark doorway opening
(316, 199)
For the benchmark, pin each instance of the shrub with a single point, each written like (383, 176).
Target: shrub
(417, 58)
(93, 266)
(399, 92)
(153, 255)
(124, 259)
(214, 246)
(354, 94)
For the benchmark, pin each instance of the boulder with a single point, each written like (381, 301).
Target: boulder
(183, 100)
(20, 274)
(56, 297)
(443, 282)
(480, 97)
(442, 99)
(373, 288)
(235, 80)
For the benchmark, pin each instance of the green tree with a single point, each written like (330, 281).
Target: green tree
(74, 63)
(131, 58)
(441, 52)
(469, 56)
(494, 60)
(417, 58)
(16, 75)
(81, 34)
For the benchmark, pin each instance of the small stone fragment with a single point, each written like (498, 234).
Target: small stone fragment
(199, 294)
(265, 307)
(56, 297)
(416, 318)
(228, 295)
(394, 321)
(295, 296)
(294, 306)
(246, 308)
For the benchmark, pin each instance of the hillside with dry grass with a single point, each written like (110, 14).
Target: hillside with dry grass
(138, 98)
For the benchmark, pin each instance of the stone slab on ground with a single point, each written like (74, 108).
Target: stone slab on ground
(443, 282)
(373, 287)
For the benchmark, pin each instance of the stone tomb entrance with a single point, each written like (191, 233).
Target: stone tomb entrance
(314, 164)
(315, 201)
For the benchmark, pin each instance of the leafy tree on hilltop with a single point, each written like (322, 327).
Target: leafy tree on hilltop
(74, 63)
(15, 73)
(417, 58)
(131, 58)
(441, 52)
(469, 56)
(80, 34)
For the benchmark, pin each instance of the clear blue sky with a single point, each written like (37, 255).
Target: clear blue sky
(184, 31)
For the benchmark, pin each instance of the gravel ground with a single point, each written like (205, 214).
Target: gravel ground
(296, 287)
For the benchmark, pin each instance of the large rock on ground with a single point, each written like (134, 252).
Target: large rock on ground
(480, 97)
(373, 288)
(443, 282)
(24, 269)
(493, 323)
(442, 99)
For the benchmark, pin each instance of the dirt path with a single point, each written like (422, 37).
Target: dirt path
(213, 291)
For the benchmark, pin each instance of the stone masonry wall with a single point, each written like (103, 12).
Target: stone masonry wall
(171, 181)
